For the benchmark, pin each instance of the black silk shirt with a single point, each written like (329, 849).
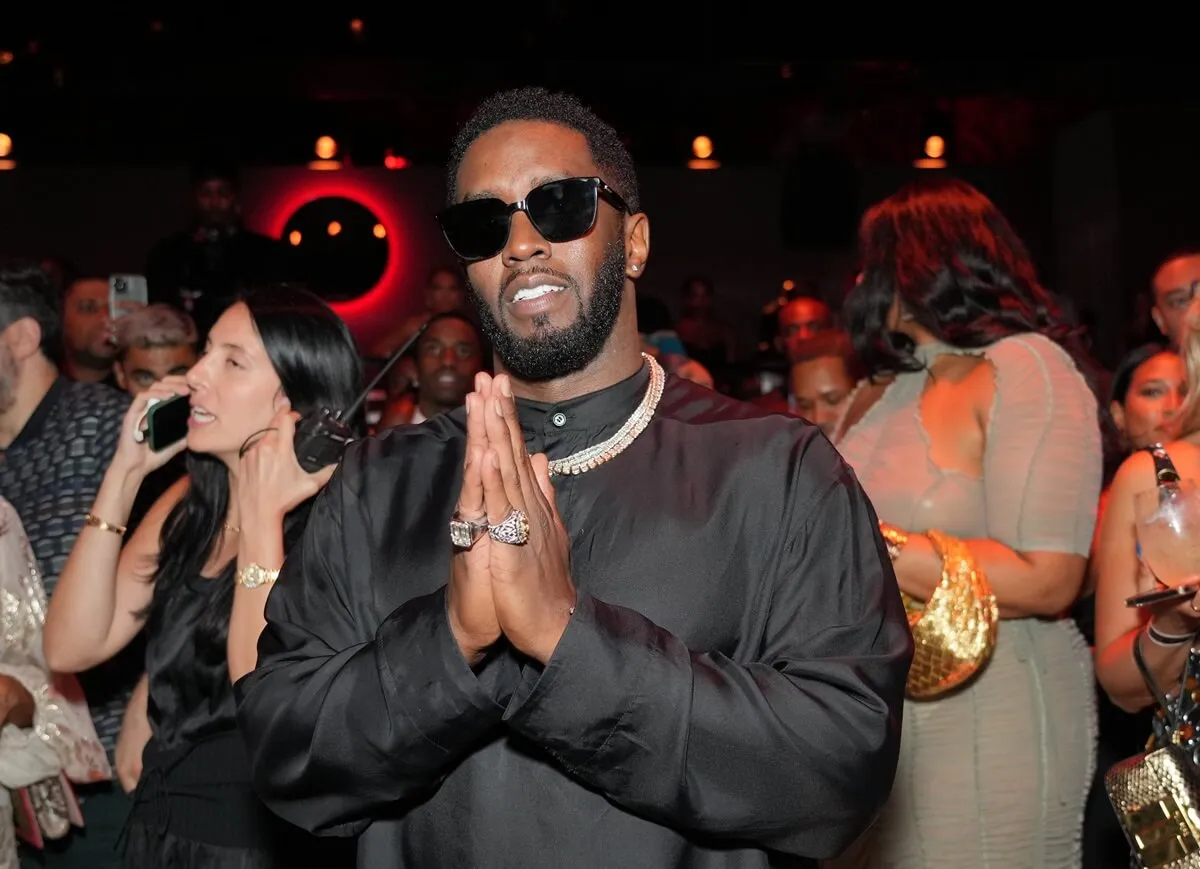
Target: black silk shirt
(728, 692)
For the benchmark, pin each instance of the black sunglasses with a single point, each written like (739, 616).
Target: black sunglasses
(560, 211)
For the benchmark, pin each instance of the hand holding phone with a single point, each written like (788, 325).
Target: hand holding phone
(1164, 595)
(154, 430)
(126, 293)
(166, 422)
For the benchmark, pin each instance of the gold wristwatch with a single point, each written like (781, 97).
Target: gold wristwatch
(255, 575)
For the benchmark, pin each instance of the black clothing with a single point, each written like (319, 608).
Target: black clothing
(195, 807)
(727, 693)
(202, 272)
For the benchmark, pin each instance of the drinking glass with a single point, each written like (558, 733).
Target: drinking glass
(1168, 532)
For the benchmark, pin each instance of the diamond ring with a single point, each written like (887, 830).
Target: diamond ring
(464, 532)
(514, 530)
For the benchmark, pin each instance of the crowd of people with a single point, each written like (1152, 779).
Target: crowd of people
(562, 602)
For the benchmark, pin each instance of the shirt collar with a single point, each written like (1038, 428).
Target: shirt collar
(36, 423)
(597, 414)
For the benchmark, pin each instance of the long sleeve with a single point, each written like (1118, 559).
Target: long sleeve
(62, 738)
(349, 714)
(794, 751)
(1042, 464)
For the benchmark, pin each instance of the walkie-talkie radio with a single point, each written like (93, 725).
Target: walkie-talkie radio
(323, 435)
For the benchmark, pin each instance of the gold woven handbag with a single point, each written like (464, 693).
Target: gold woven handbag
(1157, 795)
(954, 632)
(1154, 796)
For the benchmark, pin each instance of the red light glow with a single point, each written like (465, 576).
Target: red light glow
(382, 299)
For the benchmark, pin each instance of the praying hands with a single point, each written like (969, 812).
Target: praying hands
(510, 575)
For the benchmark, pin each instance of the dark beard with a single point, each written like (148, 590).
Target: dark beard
(550, 354)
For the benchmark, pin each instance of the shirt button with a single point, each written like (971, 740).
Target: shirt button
(559, 419)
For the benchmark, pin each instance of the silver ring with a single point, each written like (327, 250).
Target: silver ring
(513, 530)
(465, 532)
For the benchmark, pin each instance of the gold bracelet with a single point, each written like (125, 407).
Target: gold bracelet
(96, 522)
(895, 539)
(255, 575)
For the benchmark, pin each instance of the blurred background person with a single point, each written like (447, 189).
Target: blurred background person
(707, 337)
(825, 370)
(201, 269)
(88, 344)
(156, 342)
(448, 356)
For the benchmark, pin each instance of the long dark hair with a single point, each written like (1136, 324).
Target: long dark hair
(956, 265)
(959, 269)
(318, 365)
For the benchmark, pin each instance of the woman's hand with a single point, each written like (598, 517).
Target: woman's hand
(134, 459)
(1176, 617)
(271, 482)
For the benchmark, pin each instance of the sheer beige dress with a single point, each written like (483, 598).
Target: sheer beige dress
(997, 774)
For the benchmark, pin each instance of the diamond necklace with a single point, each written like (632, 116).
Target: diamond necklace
(592, 457)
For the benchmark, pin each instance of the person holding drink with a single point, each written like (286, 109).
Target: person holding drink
(1149, 541)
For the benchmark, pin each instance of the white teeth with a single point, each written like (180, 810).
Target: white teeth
(199, 413)
(536, 292)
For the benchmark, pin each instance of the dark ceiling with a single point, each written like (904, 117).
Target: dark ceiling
(262, 87)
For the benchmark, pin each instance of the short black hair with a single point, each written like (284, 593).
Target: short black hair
(539, 104)
(451, 315)
(27, 291)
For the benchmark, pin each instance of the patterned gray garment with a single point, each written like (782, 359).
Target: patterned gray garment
(996, 775)
(50, 474)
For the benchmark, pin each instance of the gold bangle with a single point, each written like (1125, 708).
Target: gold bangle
(255, 575)
(96, 522)
(895, 539)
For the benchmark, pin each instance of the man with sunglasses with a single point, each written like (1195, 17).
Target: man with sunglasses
(599, 617)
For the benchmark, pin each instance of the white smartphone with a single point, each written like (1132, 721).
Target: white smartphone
(125, 289)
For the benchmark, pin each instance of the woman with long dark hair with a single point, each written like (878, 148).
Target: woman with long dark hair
(197, 571)
(986, 433)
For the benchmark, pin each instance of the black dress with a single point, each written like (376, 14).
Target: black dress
(194, 807)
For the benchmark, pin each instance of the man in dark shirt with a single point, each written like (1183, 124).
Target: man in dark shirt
(675, 639)
(57, 437)
(201, 269)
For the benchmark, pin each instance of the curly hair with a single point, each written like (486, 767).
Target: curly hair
(538, 104)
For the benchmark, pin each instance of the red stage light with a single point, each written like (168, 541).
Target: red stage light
(381, 299)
